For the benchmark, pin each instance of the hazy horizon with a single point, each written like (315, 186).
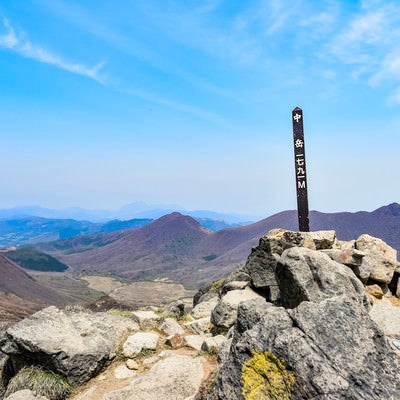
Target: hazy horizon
(104, 104)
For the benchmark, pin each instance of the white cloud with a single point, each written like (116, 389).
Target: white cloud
(370, 43)
(356, 43)
(21, 45)
(177, 106)
(9, 39)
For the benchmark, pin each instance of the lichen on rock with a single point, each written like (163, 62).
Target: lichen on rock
(264, 376)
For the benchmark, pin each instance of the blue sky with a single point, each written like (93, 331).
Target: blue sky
(104, 103)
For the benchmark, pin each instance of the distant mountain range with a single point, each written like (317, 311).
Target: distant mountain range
(17, 231)
(32, 229)
(178, 247)
(137, 210)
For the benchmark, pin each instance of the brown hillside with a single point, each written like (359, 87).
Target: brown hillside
(14, 280)
(167, 244)
(176, 246)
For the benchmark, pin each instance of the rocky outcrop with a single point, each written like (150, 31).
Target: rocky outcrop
(314, 338)
(295, 323)
(77, 345)
(174, 377)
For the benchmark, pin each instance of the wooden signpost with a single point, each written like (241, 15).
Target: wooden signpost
(300, 168)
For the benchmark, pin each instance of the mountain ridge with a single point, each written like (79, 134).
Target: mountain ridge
(177, 246)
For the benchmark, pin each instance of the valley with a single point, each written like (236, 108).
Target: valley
(165, 259)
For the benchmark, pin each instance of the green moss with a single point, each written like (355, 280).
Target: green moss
(144, 353)
(264, 377)
(216, 285)
(44, 383)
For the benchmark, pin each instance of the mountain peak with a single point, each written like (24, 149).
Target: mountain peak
(392, 209)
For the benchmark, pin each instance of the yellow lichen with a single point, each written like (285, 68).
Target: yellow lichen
(264, 377)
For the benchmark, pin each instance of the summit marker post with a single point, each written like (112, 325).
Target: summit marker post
(300, 168)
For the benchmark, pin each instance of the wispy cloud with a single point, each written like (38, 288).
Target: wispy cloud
(370, 43)
(20, 44)
(177, 106)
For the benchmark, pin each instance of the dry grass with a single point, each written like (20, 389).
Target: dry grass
(102, 283)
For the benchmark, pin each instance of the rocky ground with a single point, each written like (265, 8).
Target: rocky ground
(308, 317)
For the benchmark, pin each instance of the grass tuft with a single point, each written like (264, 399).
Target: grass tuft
(44, 383)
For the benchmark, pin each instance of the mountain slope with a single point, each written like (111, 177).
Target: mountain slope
(166, 244)
(178, 247)
(16, 281)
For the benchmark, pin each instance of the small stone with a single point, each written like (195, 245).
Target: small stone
(171, 327)
(204, 309)
(25, 394)
(213, 344)
(146, 319)
(199, 326)
(132, 364)
(375, 290)
(138, 342)
(177, 308)
(195, 341)
(175, 341)
(123, 372)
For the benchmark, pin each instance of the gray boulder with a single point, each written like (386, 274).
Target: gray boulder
(308, 275)
(225, 313)
(332, 349)
(75, 344)
(320, 343)
(262, 261)
(380, 259)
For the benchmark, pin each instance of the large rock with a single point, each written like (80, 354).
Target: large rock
(262, 261)
(318, 340)
(380, 259)
(175, 377)
(308, 275)
(332, 349)
(75, 344)
(225, 313)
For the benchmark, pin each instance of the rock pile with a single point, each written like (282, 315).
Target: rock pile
(307, 317)
(156, 354)
(310, 335)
